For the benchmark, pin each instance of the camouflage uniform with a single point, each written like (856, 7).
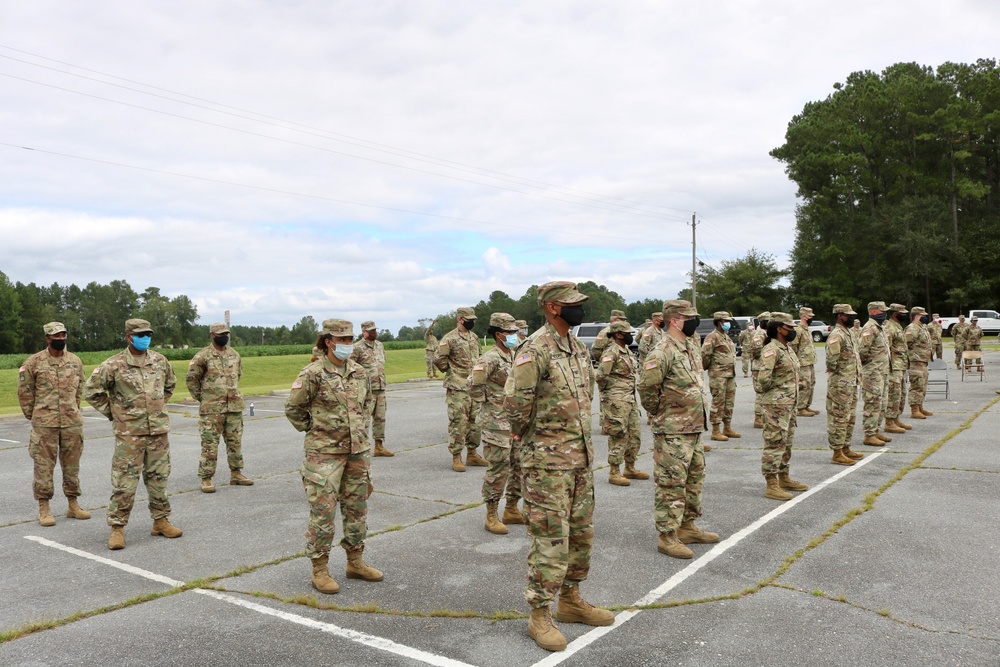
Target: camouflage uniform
(805, 352)
(332, 404)
(455, 356)
(745, 336)
(918, 345)
(899, 365)
(650, 337)
(619, 412)
(756, 347)
(971, 340)
(601, 341)
(213, 378)
(49, 390)
(430, 347)
(843, 375)
(133, 392)
(778, 387)
(935, 331)
(958, 333)
(718, 356)
(876, 363)
(548, 399)
(371, 355)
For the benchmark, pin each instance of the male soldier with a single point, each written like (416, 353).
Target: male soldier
(672, 390)
(972, 343)
(49, 388)
(370, 353)
(651, 336)
(601, 341)
(642, 331)
(745, 337)
(958, 333)
(430, 347)
(455, 356)
(935, 330)
(918, 346)
(899, 366)
(213, 378)
(802, 345)
(718, 356)
(756, 347)
(522, 329)
(132, 389)
(843, 369)
(619, 412)
(548, 398)
(876, 363)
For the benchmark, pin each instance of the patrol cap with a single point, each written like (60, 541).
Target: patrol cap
(338, 328)
(843, 309)
(218, 327)
(468, 313)
(520, 324)
(721, 315)
(52, 328)
(678, 307)
(621, 326)
(136, 325)
(877, 305)
(918, 310)
(807, 311)
(503, 321)
(974, 318)
(367, 325)
(781, 318)
(935, 316)
(618, 313)
(561, 292)
(897, 308)
(657, 316)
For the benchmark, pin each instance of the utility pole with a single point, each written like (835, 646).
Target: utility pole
(694, 266)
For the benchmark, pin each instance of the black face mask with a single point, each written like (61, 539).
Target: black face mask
(790, 336)
(808, 321)
(469, 325)
(879, 318)
(221, 341)
(627, 339)
(902, 318)
(849, 322)
(925, 319)
(690, 326)
(572, 315)
(763, 324)
(58, 344)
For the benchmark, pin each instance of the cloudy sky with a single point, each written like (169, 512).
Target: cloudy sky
(395, 160)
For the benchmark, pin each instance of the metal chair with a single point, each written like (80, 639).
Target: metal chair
(938, 384)
(972, 358)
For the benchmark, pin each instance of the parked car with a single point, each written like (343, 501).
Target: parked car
(988, 321)
(587, 333)
(707, 325)
(820, 331)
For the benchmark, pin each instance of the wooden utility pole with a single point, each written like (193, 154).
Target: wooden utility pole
(694, 266)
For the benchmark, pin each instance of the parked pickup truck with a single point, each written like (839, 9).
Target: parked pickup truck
(989, 321)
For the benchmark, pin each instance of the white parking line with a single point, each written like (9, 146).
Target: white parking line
(716, 551)
(16, 442)
(131, 569)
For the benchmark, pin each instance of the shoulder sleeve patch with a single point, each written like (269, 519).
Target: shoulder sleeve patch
(442, 343)
(650, 365)
(607, 358)
(769, 353)
(297, 384)
(21, 369)
(523, 359)
(96, 371)
(866, 333)
(478, 367)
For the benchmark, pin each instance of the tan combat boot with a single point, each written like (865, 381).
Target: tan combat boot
(774, 490)
(757, 422)
(872, 441)
(670, 545)
(631, 473)
(357, 568)
(814, 412)
(544, 631)
(117, 539)
(924, 411)
(727, 430)
(165, 528)
(75, 511)
(882, 436)
(786, 482)
(493, 523)
(511, 515)
(615, 477)
(574, 609)
(707, 447)
(456, 463)
(206, 485)
(45, 514)
(717, 433)
(916, 413)
(380, 449)
(236, 478)
(689, 533)
(849, 453)
(321, 579)
(803, 413)
(841, 459)
(903, 425)
(891, 426)
(474, 459)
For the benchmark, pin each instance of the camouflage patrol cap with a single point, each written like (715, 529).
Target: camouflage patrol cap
(781, 318)
(367, 325)
(917, 310)
(721, 315)
(561, 292)
(806, 310)
(136, 325)
(843, 309)
(766, 316)
(621, 326)
(961, 317)
(656, 316)
(503, 321)
(618, 313)
(935, 316)
(52, 328)
(338, 328)
(974, 318)
(678, 307)
(877, 305)
(897, 308)
(218, 327)
(468, 313)
(520, 324)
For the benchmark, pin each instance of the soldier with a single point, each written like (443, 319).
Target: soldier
(132, 389)
(651, 336)
(802, 345)
(619, 412)
(899, 366)
(455, 356)
(522, 329)
(548, 398)
(778, 380)
(672, 389)
(213, 378)
(331, 402)
(430, 347)
(745, 337)
(49, 389)
(935, 330)
(918, 346)
(718, 356)
(958, 333)
(756, 346)
(370, 353)
(843, 370)
(642, 331)
(601, 341)
(876, 363)
(972, 342)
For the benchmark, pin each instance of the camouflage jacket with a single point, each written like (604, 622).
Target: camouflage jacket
(672, 388)
(873, 348)
(616, 373)
(49, 389)
(213, 378)
(133, 392)
(756, 347)
(718, 355)
(745, 337)
(371, 355)
(600, 342)
(973, 336)
(958, 332)
(803, 347)
(842, 355)
(331, 404)
(918, 343)
(430, 340)
(650, 338)
(548, 399)
(489, 376)
(456, 353)
(897, 346)
(778, 378)
(935, 330)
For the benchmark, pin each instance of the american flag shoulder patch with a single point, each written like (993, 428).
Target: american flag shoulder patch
(523, 359)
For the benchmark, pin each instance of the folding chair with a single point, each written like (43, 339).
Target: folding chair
(938, 383)
(972, 358)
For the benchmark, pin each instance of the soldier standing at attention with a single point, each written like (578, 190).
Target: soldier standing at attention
(49, 389)
(899, 366)
(802, 345)
(876, 363)
(745, 337)
(522, 329)
(548, 398)
(972, 342)
(213, 378)
(642, 331)
(918, 346)
(718, 356)
(672, 390)
(958, 333)
(430, 347)
(331, 402)
(619, 412)
(651, 336)
(370, 353)
(756, 346)
(779, 387)
(601, 341)
(843, 373)
(935, 330)
(455, 356)
(132, 389)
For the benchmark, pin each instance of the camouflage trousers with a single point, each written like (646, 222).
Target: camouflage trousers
(376, 420)
(807, 384)
(429, 355)
(939, 351)
(746, 362)
(875, 395)
(504, 469)
(841, 410)
(756, 401)
(918, 383)
(620, 420)
(462, 428)
(679, 472)
(779, 433)
(47, 445)
(560, 512)
(327, 478)
(148, 455)
(723, 398)
(895, 394)
(959, 348)
(225, 425)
